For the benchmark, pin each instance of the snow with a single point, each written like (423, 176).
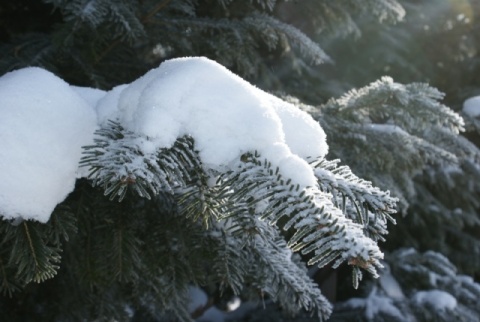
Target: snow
(213, 314)
(389, 284)
(375, 304)
(107, 106)
(439, 300)
(300, 128)
(198, 299)
(90, 95)
(389, 129)
(43, 125)
(226, 116)
(471, 106)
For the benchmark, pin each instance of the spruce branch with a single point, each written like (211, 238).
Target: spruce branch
(231, 266)
(125, 254)
(254, 189)
(7, 285)
(143, 20)
(420, 272)
(320, 227)
(384, 10)
(411, 117)
(307, 47)
(200, 201)
(287, 283)
(117, 163)
(411, 107)
(357, 198)
(34, 258)
(176, 252)
(63, 224)
(31, 251)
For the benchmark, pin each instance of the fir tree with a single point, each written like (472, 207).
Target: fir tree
(141, 229)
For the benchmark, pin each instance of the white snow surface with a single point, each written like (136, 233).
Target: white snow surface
(43, 124)
(471, 106)
(389, 284)
(226, 116)
(107, 106)
(90, 95)
(440, 300)
(198, 299)
(375, 304)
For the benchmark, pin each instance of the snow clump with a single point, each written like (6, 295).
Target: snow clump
(226, 116)
(471, 106)
(43, 125)
(45, 122)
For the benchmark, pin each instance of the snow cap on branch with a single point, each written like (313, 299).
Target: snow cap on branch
(43, 125)
(471, 106)
(45, 122)
(226, 116)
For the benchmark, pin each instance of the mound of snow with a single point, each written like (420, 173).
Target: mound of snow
(43, 125)
(471, 106)
(440, 300)
(226, 116)
(44, 122)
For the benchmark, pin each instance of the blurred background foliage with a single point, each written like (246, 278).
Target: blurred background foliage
(437, 42)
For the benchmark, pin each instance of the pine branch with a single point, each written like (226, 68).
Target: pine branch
(319, 226)
(357, 198)
(94, 13)
(199, 201)
(371, 119)
(307, 47)
(339, 19)
(125, 253)
(177, 252)
(231, 266)
(432, 271)
(7, 284)
(384, 10)
(411, 107)
(285, 281)
(143, 20)
(117, 163)
(33, 257)
(31, 251)
(261, 257)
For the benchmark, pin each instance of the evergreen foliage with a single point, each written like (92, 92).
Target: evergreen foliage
(431, 159)
(417, 287)
(135, 235)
